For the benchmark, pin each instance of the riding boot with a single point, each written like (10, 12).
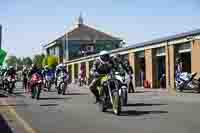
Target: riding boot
(96, 94)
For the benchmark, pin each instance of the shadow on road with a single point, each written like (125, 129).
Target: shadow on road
(73, 94)
(19, 93)
(48, 104)
(14, 105)
(145, 104)
(4, 127)
(139, 113)
(3, 95)
(55, 98)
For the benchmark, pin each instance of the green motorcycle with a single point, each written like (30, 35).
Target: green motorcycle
(110, 94)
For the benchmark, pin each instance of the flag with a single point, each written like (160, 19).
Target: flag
(2, 56)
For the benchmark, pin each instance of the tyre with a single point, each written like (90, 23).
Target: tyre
(38, 88)
(116, 103)
(49, 85)
(63, 88)
(33, 92)
(125, 97)
(59, 89)
(102, 103)
(11, 87)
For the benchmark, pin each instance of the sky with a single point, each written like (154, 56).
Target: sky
(29, 24)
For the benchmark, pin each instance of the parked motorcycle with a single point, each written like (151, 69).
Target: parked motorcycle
(62, 83)
(187, 81)
(110, 93)
(36, 86)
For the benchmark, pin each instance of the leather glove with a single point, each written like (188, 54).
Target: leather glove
(96, 74)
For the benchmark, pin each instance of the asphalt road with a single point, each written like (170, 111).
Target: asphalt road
(147, 112)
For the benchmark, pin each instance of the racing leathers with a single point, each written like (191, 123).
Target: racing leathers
(99, 67)
(57, 72)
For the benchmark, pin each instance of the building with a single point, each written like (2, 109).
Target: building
(150, 60)
(81, 41)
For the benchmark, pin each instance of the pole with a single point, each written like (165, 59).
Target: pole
(0, 35)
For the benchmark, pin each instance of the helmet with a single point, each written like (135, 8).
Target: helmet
(46, 67)
(178, 60)
(61, 66)
(117, 58)
(104, 55)
(10, 67)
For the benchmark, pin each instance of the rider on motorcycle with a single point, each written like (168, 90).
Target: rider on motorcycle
(60, 68)
(11, 72)
(34, 69)
(46, 71)
(25, 77)
(102, 65)
(122, 65)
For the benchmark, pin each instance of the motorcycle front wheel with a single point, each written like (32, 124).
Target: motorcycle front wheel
(11, 87)
(63, 88)
(116, 103)
(102, 103)
(38, 88)
(124, 98)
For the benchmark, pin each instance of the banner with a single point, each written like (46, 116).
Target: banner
(2, 56)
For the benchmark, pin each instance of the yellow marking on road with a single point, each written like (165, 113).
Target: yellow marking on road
(25, 125)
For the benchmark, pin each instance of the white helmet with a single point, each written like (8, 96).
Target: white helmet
(103, 53)
(104, 56)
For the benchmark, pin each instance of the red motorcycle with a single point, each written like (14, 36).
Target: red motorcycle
(36, 85)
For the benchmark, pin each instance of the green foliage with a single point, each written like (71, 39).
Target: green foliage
(11, 61)
(51, 61)
(38, 59)
(27, 61)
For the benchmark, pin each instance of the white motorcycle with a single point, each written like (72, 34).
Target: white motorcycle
(187, 81)
(124, 80)
(62, 82)
(48, 81)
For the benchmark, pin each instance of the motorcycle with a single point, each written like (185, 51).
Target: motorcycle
(187, 81)
(62, 83)
(123, 79)
(48, 81)
(36, 86)
(1, 82)
(9, 83)
(110, 93)
(82, 81)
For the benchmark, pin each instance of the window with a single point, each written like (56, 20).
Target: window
(160, 51)
(186, 47)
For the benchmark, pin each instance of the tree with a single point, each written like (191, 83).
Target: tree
(12, 61)
(38, 59)
(51, 61)
(27, 61)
